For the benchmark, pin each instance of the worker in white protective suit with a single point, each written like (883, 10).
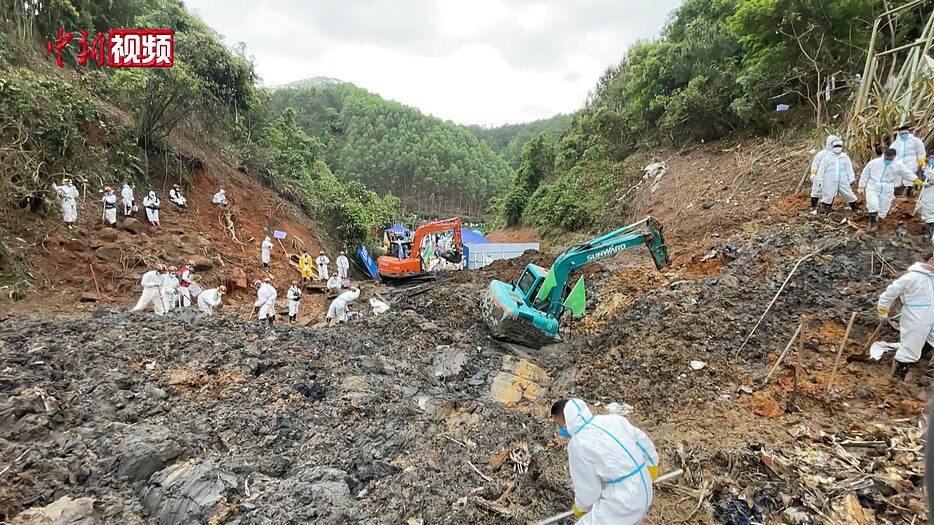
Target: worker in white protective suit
(184, 284)
(910, 151)
(338, 309)
(265, 300)
(110, 206)
(211, 299)
(295, 297)
(152, 291)
(69, 196)
(266, 251)
(837, 177)
(322, 262)
(175, 195)
(152, 205)
(815, 163)
(128, 200)
(334, 283)
(925, 203)
(343, 266)
(877, 182)
(916, 290)
(613, 465)
(170, 287)
(220, 197)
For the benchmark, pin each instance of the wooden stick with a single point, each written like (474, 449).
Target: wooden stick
(836, 362)
(794, 388)
(782, 356)
(96, 286)
(872, 338)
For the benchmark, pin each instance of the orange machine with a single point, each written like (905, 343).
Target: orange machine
(394, 268)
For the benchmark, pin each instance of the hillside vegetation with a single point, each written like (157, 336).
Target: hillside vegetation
(508, 139)
(719, 68)
(433, 166)
(105, 126)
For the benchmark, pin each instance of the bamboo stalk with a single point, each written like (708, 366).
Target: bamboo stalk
(778, 361)
(836, 363)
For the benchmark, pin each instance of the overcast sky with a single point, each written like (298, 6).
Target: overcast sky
(485, 62)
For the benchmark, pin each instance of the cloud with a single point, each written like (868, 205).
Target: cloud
(483, 61)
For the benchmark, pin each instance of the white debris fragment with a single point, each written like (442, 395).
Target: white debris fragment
(616, 408)
(698, 365)
(879, 348)
(379, 307)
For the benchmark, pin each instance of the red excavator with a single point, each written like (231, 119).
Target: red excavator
(412, 266)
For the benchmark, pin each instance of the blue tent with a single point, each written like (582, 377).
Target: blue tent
(398, 228)
(469, 236)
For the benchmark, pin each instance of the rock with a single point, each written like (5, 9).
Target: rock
(63, 511)
(109, 252)
(133, 226)
(201, 263)
(146, 451)
(189, 492)
(449, 364)
(88, 297)
(237, 276)
(108, 235)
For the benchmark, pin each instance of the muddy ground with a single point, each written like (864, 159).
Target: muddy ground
(174, 420)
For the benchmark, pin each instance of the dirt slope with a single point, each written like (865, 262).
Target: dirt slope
(119, 256)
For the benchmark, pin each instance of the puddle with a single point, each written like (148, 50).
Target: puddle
(517, 380)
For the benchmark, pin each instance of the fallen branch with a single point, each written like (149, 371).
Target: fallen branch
(486, 478)
(836, 362)
(792, 272)
(782, 356)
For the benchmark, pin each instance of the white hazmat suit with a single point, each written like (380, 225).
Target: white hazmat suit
(127, 194)
(878, 179)
(266, 251)
(815, 164)
(184, 289)
(916, 290)
(910, 151)
(608, 460)
(69, 195)
(322, 263)
(343, 266)
(295, 297)
(266, 301)
(169, 290)
(209, 299)
(338, 308)
(152, 293)
(152, 205)
(175, 195)
(836, 174)
(110, 208)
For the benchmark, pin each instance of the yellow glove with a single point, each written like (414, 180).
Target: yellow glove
(814, 171)
(922, 162)
(653, 472)
(578, 513)
(918, 183)
(882, 311)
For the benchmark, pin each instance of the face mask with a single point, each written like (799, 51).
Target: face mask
(903, 136)
(838, 149)
(886, 161)
(563, 432)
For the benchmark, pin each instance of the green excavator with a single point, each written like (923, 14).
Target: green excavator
(529, 312)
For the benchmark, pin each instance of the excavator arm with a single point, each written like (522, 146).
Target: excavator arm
(648, 231)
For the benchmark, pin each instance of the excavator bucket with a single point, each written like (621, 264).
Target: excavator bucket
(509, 319)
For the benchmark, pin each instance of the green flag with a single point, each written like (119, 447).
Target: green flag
(426, 253)
(577, 299)
(547, 286)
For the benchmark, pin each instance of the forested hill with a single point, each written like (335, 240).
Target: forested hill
(432, 165)
(508, 139)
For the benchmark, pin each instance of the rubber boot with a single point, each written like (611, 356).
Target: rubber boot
(825, 208)
(270, 320)
(900, 370)
(854, 206)
(873, 222)
(814, 203)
